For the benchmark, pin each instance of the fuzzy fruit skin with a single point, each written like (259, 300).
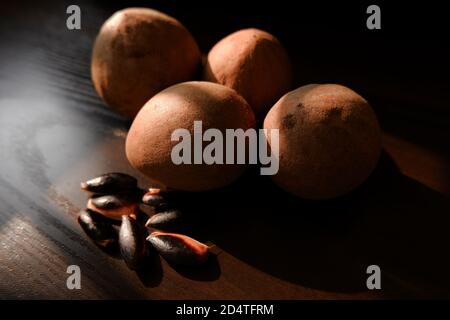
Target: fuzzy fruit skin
(255, 64)
(330, 140)
(137, 53)
(149, 145)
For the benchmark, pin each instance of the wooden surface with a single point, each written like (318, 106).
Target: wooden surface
(56, 132)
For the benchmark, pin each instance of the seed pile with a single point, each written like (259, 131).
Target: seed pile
(113, 219)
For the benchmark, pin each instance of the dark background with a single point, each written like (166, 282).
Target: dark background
(56, 132)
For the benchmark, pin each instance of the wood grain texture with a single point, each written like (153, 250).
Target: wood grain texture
(56, 132)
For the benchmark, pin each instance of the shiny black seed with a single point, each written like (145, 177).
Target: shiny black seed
(133, 247)
(154, 200)
(98, 228)
(179, 249)
(109, 202)
(113, 207)
(171, 220)
(114, 182)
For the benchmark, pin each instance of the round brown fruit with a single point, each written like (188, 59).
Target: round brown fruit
(255, 64)
(330, 140)
(137, 53)
(149, 145)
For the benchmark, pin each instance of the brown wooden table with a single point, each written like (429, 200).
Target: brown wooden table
(56, 132)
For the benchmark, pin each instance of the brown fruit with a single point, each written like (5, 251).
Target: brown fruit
(255, 64)
(149, 145)
(137, 53)
(330, 140)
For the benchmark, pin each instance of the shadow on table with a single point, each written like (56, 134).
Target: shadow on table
(151, 273)
(210, 271)
(391, 221)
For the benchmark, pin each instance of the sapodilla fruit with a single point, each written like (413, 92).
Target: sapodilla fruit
(329, 140)
(149, 144)
(139, 52)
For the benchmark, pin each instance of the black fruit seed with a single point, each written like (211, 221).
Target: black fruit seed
(113, 182)
(170, 220)
(113, 206)
(179, 249)
(133, 247)
(153, 200)
(98, 228)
